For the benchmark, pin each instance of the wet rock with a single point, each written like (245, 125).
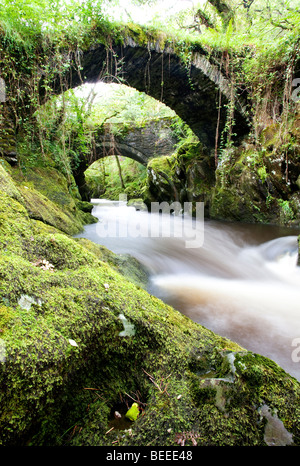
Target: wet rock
(275, 432)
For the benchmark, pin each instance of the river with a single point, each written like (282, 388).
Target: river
(239, 280)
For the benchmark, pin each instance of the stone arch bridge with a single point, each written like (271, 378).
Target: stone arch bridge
(151, 65)
(141, 143)
(155, 66)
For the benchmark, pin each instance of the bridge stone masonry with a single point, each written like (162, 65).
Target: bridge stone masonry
(154, 138)
(150, 62)
(152, 65)
(141, 143)
(147, 62)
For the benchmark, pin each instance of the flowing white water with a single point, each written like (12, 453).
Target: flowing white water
(243, 282)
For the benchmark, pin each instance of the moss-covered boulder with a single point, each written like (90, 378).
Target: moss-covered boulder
(252, 186)
(253, 182)
(122, 263)
(186, 176)
(260, 182)
(6, 183)
(48, 197)
(80, 343)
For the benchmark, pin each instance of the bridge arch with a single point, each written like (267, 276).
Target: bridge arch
(153, 66)
(192, 92)
(139, 142)
(125, 150)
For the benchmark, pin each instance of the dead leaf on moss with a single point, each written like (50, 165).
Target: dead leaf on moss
(43, 264)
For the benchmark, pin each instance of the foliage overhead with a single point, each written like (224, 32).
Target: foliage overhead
(254, 42)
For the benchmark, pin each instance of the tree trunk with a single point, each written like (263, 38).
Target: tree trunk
(223, 9)
(120, 172)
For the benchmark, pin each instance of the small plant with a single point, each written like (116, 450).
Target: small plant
(286, 212)
(262, 173)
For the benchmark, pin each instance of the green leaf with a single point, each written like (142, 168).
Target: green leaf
(133, 412)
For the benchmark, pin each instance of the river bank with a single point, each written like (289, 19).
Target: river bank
(67, 365)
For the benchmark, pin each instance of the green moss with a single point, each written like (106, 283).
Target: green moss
(269, 137)
(145, 35)
(61, 251)
(242, 188)
(138, 33)
(262, 177)
(6, 183)
(41, 208)
(122, 263)
(49, 182)
(85, 206)
(201, 395)
(225, 204)
(75, 305)
(14, 223)
(49, 198)
(186, 176)
(286, 213)
(67, 366)
(164, 164)
(6, 315)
